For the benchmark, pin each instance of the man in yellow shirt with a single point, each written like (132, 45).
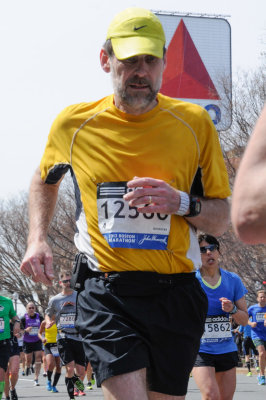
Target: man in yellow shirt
(148, 171)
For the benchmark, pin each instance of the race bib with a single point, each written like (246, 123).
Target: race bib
(217, 328)
(34, 331)
(260, 316)
(67, 320)
(2, 325)
(123, 226)
(54, 351)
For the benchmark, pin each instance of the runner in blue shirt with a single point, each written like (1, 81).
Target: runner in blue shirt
(257, 314)
(215, 367)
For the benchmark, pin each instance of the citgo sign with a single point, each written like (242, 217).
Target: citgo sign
(199, 63)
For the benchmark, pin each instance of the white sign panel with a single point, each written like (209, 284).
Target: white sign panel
(199, 63)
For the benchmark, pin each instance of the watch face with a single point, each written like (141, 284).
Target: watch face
(234, 310)
(197, 206)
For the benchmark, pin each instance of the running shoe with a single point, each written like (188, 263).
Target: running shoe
(44, 374)
(23, 373)
(78, 383)
(7, 398)
(36, 383)
(81, 393)
(92, 379)
(76, 392)
(258, 369)
(89, 386)
(54, 389)
(261, 380)
(14, 395)
(28, 371)
(249, 373)
(49, 386)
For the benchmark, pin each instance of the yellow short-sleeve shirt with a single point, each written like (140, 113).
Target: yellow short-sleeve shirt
(105, 148)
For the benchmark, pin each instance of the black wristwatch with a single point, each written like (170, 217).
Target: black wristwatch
(194, 207)
(234, 310)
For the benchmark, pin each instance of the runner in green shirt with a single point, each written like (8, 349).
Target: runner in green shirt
(7, 313)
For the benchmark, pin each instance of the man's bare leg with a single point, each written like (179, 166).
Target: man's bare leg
(162, 396)
(130, 386)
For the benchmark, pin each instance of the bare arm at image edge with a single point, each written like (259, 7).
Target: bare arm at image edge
(249, 193)
(38, 259)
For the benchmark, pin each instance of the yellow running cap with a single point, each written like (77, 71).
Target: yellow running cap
(136, 31)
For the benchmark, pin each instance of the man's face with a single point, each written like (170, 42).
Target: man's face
(136, 82)
(31, 309)
(262, 299)
(65, 281)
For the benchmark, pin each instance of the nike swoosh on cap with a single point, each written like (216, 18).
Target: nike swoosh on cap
(139, 27)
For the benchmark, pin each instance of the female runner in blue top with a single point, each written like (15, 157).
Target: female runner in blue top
(215, 367)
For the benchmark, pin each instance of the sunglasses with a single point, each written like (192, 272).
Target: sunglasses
(65, 280)
(210, 247)
(31, 308)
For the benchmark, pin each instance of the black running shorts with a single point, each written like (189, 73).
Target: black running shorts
(4, 353)
(14, 349)
(135, 320)
(29, 347)
(221, 362)
(249, 345)
(71, 350)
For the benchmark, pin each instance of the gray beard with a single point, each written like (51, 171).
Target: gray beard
(137, 101)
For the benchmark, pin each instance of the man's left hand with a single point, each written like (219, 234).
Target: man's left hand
(152, 195)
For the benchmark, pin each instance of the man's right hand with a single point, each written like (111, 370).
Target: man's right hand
(38, 263)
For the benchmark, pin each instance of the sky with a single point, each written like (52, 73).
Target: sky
(50, 59)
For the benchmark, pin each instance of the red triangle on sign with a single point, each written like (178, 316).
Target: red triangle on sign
(185, 75)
